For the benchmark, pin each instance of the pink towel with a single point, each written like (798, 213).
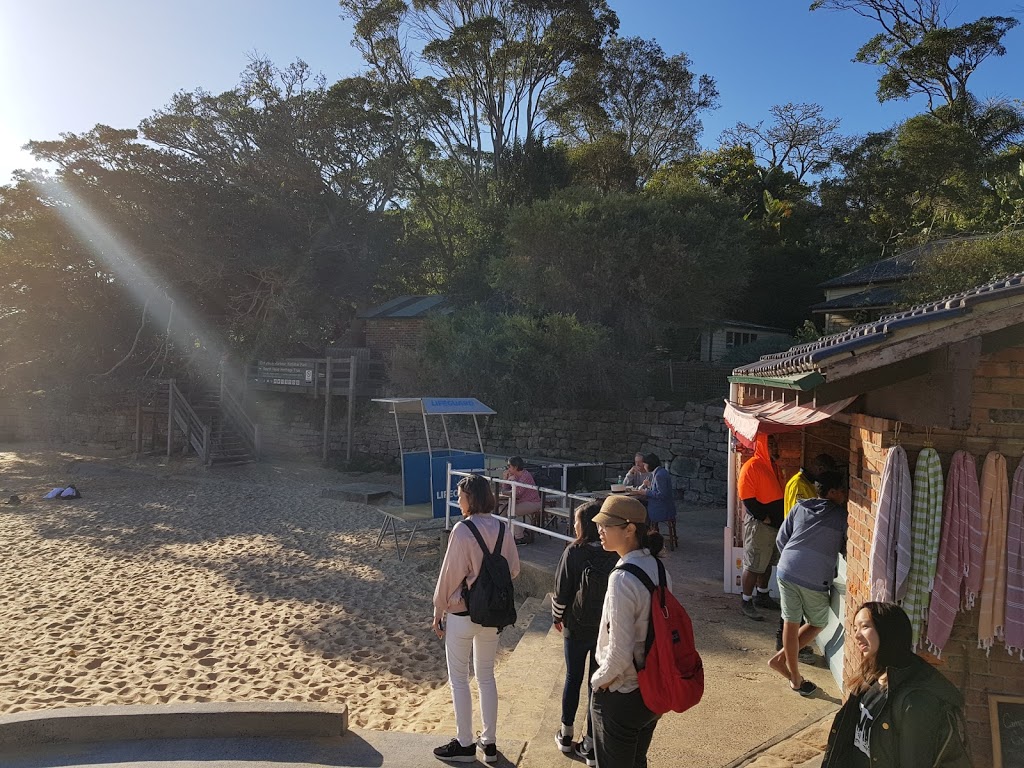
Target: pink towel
(890, 545)
(994, 504)
(959, 507)
(1014, 631)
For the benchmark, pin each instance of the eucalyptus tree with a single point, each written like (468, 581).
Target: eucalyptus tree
(478, 70)
(637, 96)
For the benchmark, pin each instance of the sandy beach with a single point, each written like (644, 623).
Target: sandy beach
(176, 584)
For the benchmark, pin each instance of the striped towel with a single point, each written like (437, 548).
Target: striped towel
(1014, 633)
(976, 566)
(925, 527)
(994, 509)
(960, 502)
(890, 546)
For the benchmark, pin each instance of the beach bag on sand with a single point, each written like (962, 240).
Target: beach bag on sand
(672, 675)
(491, 599)
(588, 603)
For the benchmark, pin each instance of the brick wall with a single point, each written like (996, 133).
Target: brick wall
(997, 424)
(99, 418)
(385, 334)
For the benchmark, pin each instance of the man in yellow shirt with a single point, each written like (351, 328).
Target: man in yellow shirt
(801, 485)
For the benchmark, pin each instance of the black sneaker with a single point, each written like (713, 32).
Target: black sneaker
(807, 655)
(454, 752)
(583, 753)
(563, 740)
(764, 600)
(490, 752)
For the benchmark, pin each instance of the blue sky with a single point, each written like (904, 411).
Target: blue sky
(68, 64)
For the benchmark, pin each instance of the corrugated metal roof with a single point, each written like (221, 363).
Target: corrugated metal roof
(814, 355)
(409, 307)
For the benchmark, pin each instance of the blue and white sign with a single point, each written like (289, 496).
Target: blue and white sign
(455, 406)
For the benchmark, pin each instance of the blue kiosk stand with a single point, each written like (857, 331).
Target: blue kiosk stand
(425, 492)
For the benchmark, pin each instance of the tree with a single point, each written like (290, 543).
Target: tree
(645, 266)
(651, 100)
(964, 264)
(919, 54)
(800, 139)
(483, 67)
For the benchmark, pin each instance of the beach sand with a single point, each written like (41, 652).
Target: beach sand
(179, 584)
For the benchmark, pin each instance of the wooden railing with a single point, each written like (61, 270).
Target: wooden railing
(247, 429)
(180, 413)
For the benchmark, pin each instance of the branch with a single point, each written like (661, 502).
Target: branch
(138, 334)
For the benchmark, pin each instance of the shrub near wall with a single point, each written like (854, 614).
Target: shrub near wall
(691, 442)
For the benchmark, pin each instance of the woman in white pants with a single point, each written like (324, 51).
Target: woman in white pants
(463, 638)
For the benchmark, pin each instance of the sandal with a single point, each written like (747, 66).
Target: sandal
(806, 688)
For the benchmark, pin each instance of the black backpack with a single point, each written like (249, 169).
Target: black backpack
(588, 603)
(491, 599)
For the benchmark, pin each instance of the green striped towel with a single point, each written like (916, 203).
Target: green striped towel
(925, 530)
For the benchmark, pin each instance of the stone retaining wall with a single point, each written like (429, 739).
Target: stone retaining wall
(691, 441)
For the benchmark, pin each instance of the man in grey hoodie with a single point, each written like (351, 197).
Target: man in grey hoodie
(809, 541)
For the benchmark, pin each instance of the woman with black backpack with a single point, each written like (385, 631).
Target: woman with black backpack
(466, 639)
(580, 584)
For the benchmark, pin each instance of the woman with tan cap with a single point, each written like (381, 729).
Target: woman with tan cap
(623, 725)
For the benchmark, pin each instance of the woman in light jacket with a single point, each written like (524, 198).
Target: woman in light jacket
(463, 639)
(623, 725)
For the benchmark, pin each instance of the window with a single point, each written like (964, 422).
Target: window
(737, 339)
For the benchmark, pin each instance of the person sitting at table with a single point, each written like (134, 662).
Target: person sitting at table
(527, 499)
(637, 474)
(661, 505)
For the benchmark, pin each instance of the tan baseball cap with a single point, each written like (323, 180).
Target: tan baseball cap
(619, 510)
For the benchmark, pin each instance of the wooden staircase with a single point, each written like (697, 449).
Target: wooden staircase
(210, 422)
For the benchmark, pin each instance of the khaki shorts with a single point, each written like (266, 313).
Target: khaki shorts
(759, 550)
(798, 602)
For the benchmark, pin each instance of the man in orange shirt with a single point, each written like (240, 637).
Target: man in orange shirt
(762, 496)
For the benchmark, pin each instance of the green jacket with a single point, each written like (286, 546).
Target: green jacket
(920, 725)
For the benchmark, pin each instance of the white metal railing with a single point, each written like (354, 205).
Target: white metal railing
(510, 515)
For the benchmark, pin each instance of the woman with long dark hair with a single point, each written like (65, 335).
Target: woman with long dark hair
(901, 712)
(580, 585)
(623, 725)
(464, 639)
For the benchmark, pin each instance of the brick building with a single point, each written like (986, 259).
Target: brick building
(948, 374)
(399, 322)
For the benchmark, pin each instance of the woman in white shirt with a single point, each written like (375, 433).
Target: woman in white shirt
(623, 725)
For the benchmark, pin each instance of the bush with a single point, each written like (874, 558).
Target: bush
(516, 362)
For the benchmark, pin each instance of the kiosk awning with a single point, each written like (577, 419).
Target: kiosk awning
(436, 406)
(772, 418)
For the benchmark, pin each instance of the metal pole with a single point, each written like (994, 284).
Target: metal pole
(138, 426)
(426, 430)
(327, 410)
(447, 439)
(479, 439)
(730, 497)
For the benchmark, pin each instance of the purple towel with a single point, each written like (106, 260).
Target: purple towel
(1014, 632)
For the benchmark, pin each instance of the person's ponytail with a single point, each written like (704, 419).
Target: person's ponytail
(650, 539)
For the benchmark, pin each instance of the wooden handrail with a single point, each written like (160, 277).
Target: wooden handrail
(197, 433)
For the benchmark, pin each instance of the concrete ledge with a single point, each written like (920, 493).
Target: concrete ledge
(179, 721)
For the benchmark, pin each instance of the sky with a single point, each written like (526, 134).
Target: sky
(66, 65)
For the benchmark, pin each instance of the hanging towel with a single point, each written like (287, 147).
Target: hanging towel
(961, 497)
(1014, 631)
(925, 528)
(994, 509)
(890, 546)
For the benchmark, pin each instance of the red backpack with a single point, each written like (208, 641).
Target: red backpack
(672, 674)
